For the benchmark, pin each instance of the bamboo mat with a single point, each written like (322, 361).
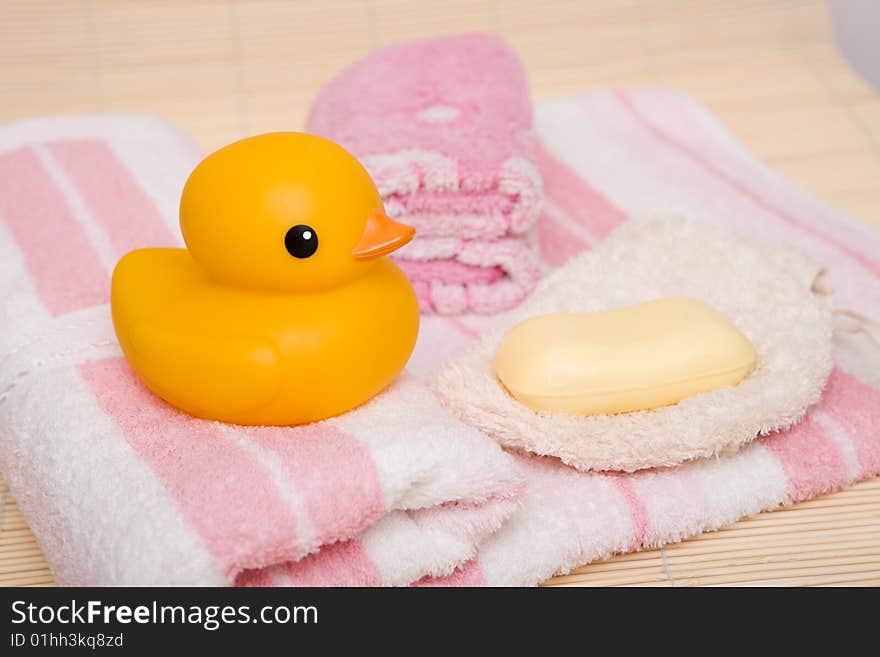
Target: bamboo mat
(221, 70)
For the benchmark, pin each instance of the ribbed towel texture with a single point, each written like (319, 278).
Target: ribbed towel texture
(610, 155)
(444, 126)
(120, 488)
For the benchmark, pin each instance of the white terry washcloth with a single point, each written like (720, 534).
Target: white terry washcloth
(121, 489)
(766, 292)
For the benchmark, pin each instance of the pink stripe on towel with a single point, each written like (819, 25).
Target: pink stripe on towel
(66, 270)
(255, 578)
(260, 577)
(333, 472)
(558, 241)
(810, 458)
(641, 523)
(850, 402)
(462, 327)
(576, 197)
(113, 196)
(200, 466)
(342, 564)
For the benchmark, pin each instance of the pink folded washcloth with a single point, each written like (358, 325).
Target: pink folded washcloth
(606, 156)
(444, 126)
(120, 488)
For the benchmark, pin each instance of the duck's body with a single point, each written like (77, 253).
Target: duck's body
(260, 358)
(283, 309)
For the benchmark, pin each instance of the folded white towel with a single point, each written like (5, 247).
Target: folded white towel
(120, 488)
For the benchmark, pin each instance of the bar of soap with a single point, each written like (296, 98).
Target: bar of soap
(623, 360)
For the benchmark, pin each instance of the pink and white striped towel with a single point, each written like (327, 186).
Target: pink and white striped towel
(118, 487)
(445, 128)
(610, 155)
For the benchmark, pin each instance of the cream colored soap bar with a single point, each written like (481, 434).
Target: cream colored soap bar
(628, 359)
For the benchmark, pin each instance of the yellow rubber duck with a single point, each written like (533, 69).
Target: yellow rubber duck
(282, 310)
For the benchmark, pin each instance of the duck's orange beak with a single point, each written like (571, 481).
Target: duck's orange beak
(382, 235)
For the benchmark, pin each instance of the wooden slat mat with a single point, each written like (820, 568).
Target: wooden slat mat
(832, 540)
(767, 68)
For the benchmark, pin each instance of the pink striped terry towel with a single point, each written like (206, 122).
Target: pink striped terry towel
(120, 488)
(109, 505)
(607, 156)
(444, 126)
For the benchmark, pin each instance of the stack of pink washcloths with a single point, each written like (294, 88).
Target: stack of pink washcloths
(119, 488)
(445, 128)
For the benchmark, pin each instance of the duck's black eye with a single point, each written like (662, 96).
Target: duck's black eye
(301, 241)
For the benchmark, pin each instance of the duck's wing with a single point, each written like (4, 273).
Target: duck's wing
(207, 376)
